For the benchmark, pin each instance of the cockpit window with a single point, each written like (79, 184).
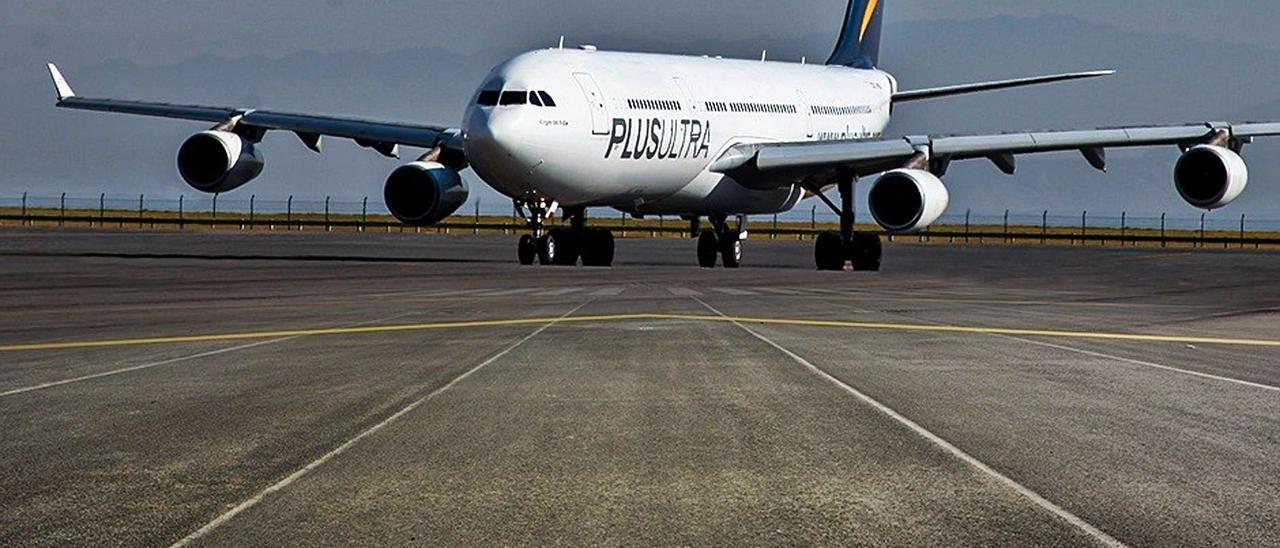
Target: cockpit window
(534, 99)
(546, 99)
(488, 98)
(514, 98)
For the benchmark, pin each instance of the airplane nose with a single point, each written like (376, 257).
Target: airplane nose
(497, 147)
(497, 135)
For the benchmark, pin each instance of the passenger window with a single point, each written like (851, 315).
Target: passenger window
(534, 99)
(488, 98)
(510, 98)
(547, 101)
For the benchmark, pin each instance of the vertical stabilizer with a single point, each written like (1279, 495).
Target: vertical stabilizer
(859, 44)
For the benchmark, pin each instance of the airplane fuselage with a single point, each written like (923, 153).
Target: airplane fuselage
(637, 132)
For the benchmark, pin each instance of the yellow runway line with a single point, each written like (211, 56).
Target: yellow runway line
(829, 324)
(982, 330)
(306, 333)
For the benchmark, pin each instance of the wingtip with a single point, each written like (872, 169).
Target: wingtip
(60, 83)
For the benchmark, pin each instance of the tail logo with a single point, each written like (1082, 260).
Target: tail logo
(866, 18)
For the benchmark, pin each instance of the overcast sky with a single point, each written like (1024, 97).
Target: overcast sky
(77, 32)
(1180, 60)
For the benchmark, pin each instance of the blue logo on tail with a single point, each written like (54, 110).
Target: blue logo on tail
(859, 44)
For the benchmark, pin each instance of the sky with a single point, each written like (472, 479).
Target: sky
(342, 56)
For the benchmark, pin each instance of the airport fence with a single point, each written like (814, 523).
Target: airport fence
(363, 215)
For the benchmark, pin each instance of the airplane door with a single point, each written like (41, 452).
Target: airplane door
(807, 111)
(684, 89)
(599, 113)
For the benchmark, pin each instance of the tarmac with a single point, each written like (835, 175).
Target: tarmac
(310, 389)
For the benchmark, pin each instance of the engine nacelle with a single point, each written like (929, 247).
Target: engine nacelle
(1210, 177)
(908, 200)
(218, 161)
(424, 193)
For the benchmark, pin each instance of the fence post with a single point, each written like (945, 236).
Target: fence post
(1202, 231)
(1044, 227)
(327, 228)
(141, 200)
(476, 232)
(624, 224)
(1006, 227)
(1124, 219)
(1242, 231)
(102, 208)
(1163, 242)
(966, 224)
(62, 209)
(214, 219)
(775, 227)
(182, 222)
(813, 218)
(25, 222)
(1084, 227)
(253, 198)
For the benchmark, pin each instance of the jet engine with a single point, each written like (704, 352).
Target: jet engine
(1210, 177)
(908, 200)
(218, 161)
(424, 193)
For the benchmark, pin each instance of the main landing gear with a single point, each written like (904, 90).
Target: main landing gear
(836, 249)
(721, 241)
(564, 246)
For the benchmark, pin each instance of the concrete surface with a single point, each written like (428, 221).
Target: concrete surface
(673, 428)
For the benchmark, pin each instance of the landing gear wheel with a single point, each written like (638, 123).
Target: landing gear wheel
(731, 251)
(708, 248)
(866, 253)
(547, 252)
(567, 247)
(597, 248)
(829, 252)
(528, 250)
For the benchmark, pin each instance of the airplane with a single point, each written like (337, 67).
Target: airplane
(698, 137)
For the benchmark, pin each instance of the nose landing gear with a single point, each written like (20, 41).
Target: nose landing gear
(723, 242)
(564, 246)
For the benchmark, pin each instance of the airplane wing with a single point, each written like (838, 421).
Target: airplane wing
(777, 164)
(965, 89)
(384, 137)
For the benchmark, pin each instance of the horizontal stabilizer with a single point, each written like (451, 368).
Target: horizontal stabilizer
(934, 93)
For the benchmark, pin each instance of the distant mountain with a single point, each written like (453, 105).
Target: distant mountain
(1163, 79)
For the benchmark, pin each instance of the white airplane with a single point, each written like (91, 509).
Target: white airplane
(699, 137)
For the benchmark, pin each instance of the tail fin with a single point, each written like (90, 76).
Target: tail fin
(859, 44)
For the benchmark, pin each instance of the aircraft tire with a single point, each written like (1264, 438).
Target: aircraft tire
(528, 250)
(731, 251)
(829, 252)
(867, 252)
(598, 248)
(708, 249)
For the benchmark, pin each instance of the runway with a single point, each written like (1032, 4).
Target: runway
(288, 389)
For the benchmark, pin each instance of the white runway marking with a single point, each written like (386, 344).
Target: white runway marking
(1145, 364)
(778, 291)
(508, 292)
(172, 361)
(1062, 513)
(735, 292)
(684, 292)
(560, 292)
(608, 292)
(140, 367)
(254, 500)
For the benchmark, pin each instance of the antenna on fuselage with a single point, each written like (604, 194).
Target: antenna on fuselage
(764, 55)
(561, 41)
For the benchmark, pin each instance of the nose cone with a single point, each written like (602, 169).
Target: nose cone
(498, 148)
